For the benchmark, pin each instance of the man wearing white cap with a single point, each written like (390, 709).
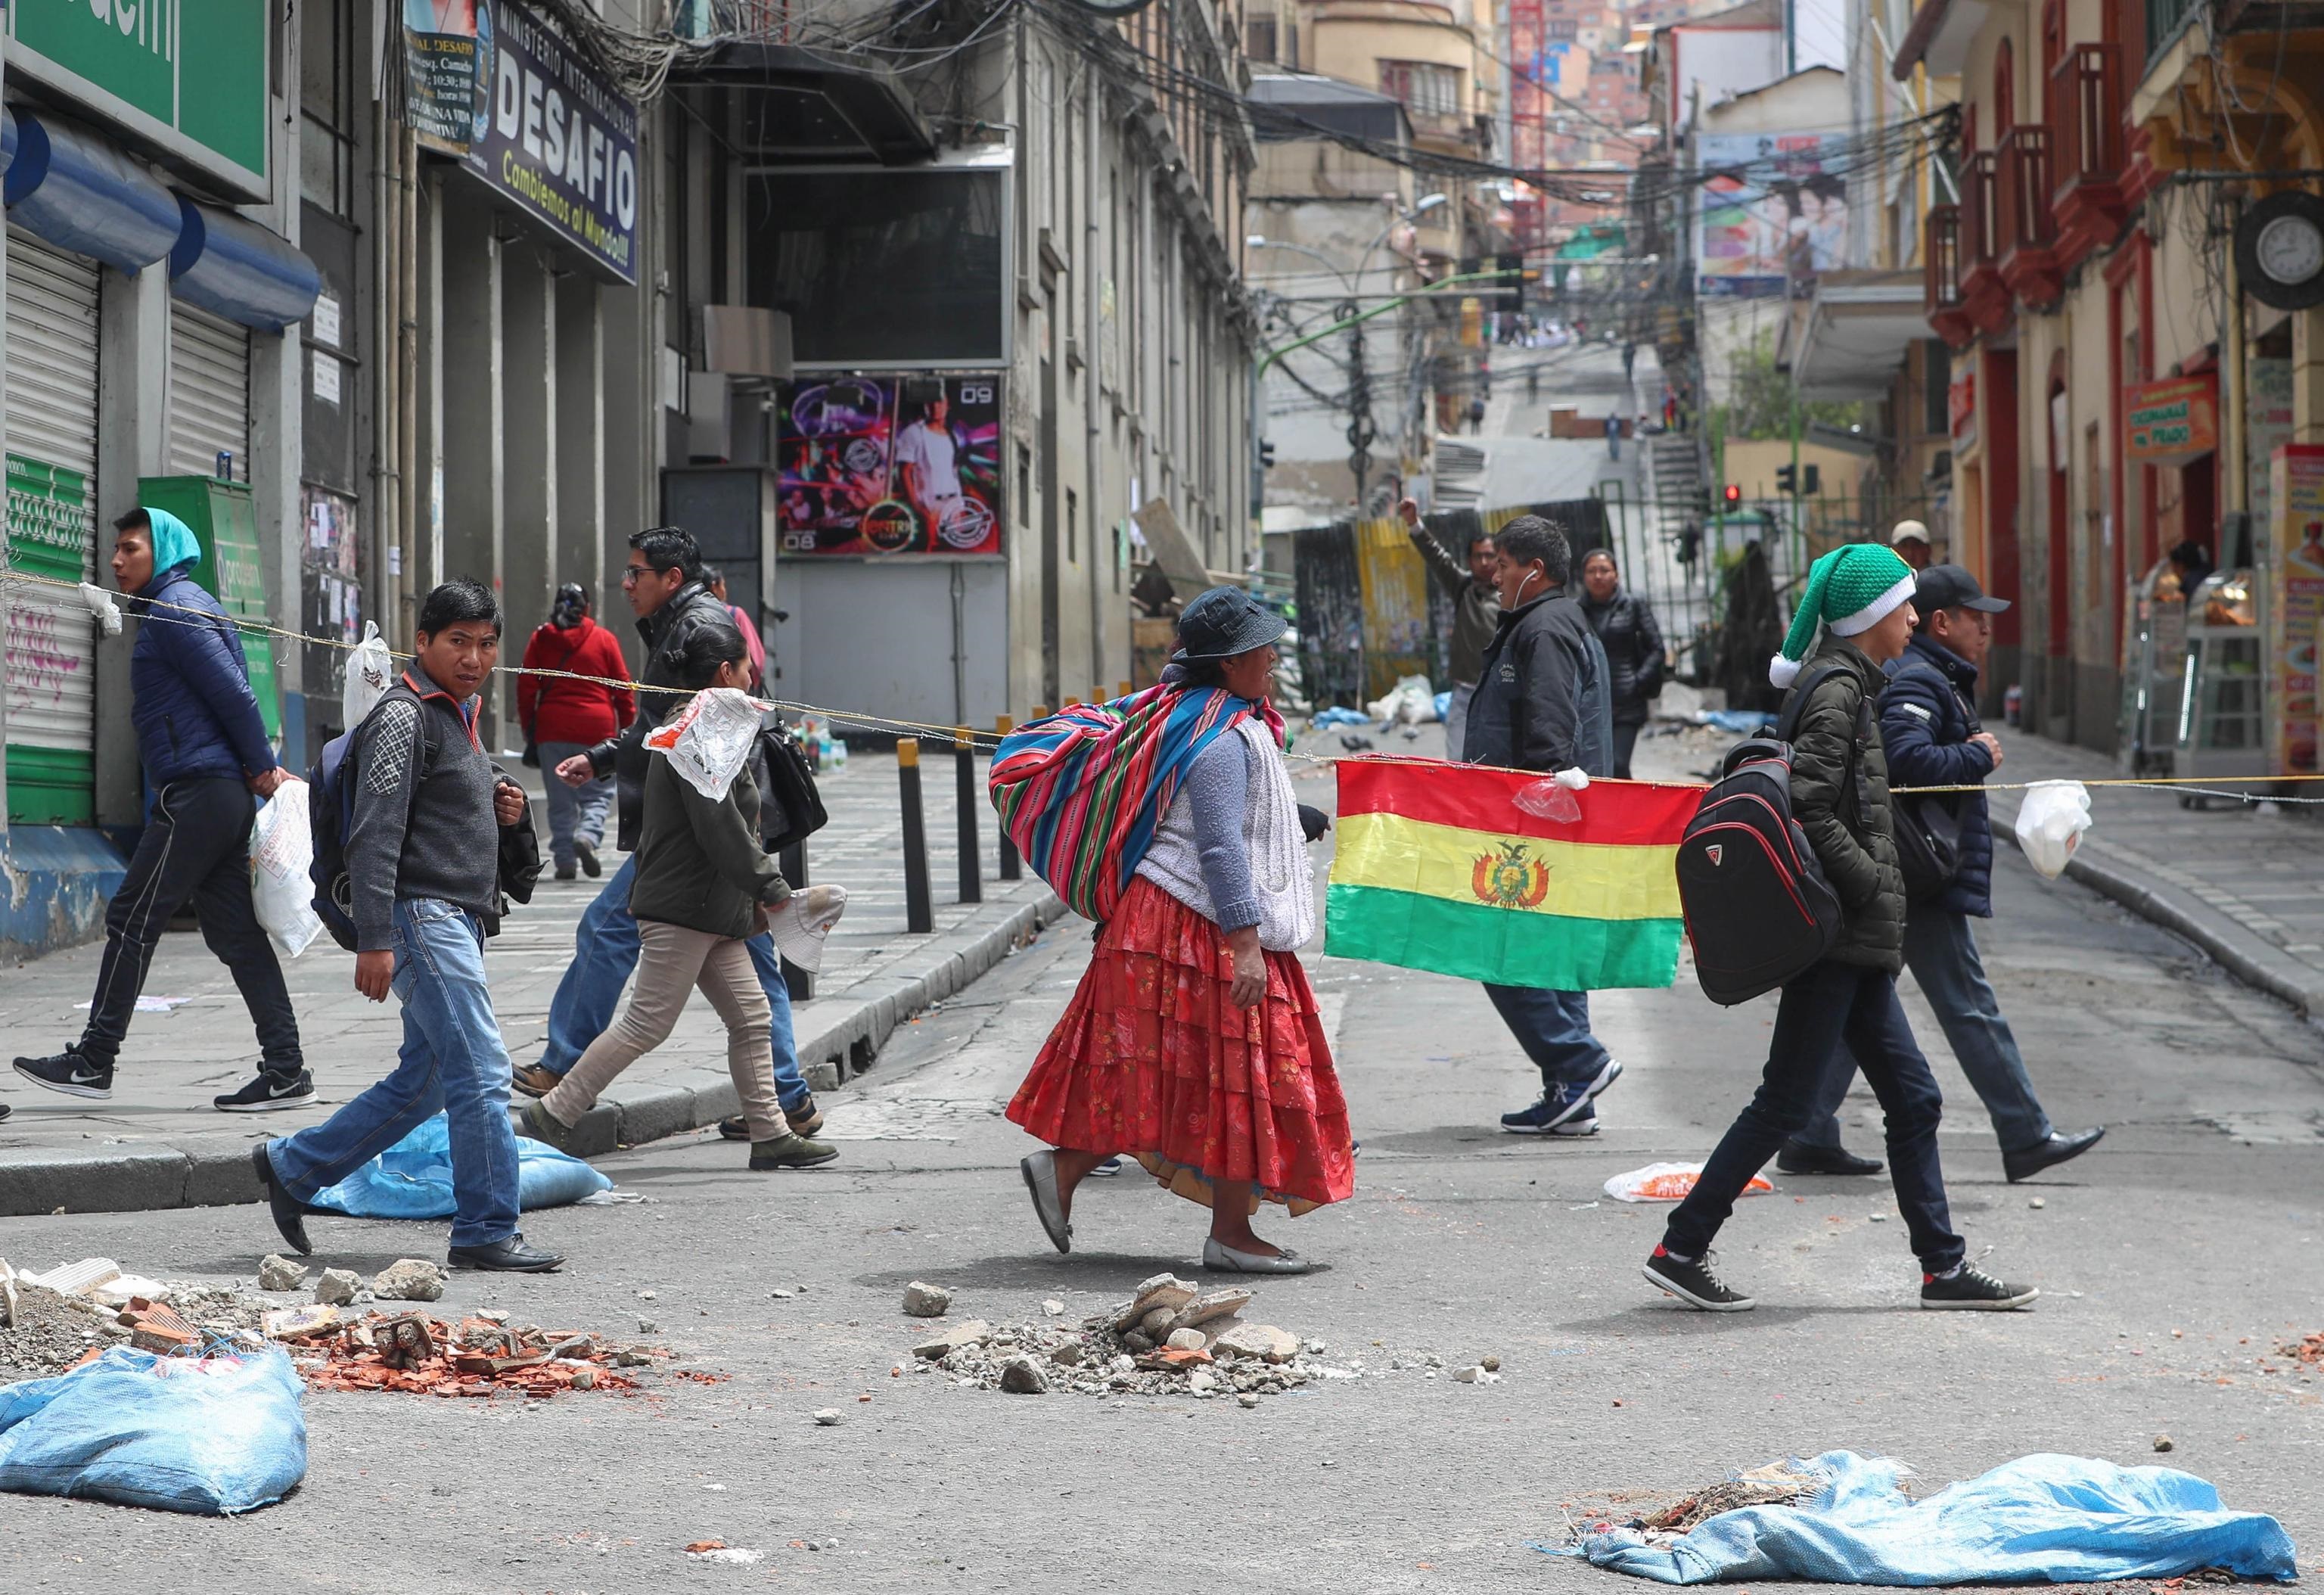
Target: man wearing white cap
(1911, 540)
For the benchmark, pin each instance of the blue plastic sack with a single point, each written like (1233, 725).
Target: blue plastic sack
(1444, 706)
(216, 1435)
(1337, 715)
(412, 1179)
(1743, 721)
(2040, 1519)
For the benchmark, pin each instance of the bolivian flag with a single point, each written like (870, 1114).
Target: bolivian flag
(1442, 867)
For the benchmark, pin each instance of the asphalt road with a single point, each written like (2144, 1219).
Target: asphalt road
(2170, 1260)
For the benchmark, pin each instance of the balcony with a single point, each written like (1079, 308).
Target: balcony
(1984, 293)
(2027, 249)
(2087, 108)
(1940, 266)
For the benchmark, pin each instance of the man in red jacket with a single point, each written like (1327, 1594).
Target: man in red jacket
(563, 717)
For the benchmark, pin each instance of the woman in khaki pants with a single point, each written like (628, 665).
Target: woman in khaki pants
(703, 884)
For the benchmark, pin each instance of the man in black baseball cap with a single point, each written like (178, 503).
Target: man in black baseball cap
(1929, 724)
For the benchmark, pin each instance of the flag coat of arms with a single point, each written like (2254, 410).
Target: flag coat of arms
(1442, 867)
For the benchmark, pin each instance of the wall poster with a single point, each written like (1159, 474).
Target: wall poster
(889, 465)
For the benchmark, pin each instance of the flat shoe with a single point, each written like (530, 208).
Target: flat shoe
(289, 1211)
(1225, 1258)
(1041, 1172)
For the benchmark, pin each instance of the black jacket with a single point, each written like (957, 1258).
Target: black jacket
(1927, 717)
(1540, 700)
(662, 689)
(1634, 652)
(699, 862)
(1846, 821)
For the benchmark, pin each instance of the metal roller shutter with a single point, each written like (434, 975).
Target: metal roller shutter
(52, 641)
(209, 392)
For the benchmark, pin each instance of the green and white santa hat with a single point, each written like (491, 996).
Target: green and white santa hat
(1850, 590)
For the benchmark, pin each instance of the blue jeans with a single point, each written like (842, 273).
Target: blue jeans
(1554, 1029)
(1830, 1004)
(1941, 951)
(573, 810)
(452, 1061)
(605, 954)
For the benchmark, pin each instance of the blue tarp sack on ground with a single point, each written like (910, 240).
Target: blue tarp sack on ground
(2040, 1519)
(1335, 714)
(412, 1179)
(216, 1435)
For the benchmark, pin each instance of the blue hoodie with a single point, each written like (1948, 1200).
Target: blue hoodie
(193, 710)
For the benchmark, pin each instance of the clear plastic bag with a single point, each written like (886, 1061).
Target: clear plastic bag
(1554, 799)
(281, 853)
(371, 670)
(2051, 822)
(709, 741)
(1669, 1182)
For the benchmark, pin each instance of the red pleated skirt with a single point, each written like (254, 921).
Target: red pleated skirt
(1152, 1058)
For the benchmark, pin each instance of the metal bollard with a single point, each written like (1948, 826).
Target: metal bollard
(1121, 689)
(919, 917)
(1011, 867)
(1099, 696)
(799, 981)
(972, 866)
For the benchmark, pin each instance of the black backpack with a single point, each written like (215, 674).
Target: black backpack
(1758, 908)
(790, 808)
(331, 815)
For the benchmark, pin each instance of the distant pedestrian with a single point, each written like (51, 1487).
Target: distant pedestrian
(1476, 416)
(1613, 436)
(1860, 595)
(204, 752)
(1635, 661)
(1669, 411)
(1476, 604)
(2191, 562)
(703, 887)
(1542, 704)
(1910, 539)
(714, 579)
(663, 580)
(423, 858)
(563, 717)
(1929, 725)
(1191, 1041)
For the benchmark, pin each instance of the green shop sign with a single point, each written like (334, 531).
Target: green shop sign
(188, 76)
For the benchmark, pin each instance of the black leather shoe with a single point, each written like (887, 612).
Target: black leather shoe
(2049, 1154)
(289, 1213)
(512, 1256)
(1797, 1159)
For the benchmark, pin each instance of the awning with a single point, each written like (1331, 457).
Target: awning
(1856, 333)
(1939, 38)
(80, 193)
(814, 105)
(232, 267)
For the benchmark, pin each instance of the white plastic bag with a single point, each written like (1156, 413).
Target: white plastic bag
(281, 853)
(1408, 703)
(2051, 822)
(370, 668)
(1669, 1182)
(709, 741)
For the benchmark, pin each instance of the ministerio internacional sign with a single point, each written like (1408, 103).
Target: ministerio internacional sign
(189, 77)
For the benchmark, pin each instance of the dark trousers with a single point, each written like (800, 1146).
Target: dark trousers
(1830, 1004)
(1626, 738)
(196, 847)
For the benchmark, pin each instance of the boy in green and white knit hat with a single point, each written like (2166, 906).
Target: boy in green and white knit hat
(1851, 590)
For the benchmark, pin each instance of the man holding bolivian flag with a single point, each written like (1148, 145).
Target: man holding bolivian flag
(1544, 889)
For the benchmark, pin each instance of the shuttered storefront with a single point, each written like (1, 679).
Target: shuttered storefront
(52, 641)
(209, 392)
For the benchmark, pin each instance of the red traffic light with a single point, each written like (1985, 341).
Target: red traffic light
(1732, 492)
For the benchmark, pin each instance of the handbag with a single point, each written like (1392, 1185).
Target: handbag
(1928, 845)
(790, 808)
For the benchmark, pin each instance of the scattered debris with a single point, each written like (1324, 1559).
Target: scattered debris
(337, 1287)
(2037, 1202)
(2164, 1443)
(927, 1301)
(719, 1550)
(75, 1279)
(409, 1279)
(974, 1331)
(1053, 1308)
(1669, 1182)
(279, 1273)
(828, 1416)
(1489, 1363)
(1021, 1376)
(414, 1353)
(1773, 1484)
(2309, 1349)
(1478, 1374)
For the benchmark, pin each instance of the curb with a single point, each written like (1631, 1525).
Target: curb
(216, 1172)
(2245, 956)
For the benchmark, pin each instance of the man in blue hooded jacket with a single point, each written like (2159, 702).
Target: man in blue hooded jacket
(204, 752)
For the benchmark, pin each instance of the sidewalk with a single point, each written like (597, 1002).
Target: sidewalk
(159, 1143)
(2237, 881)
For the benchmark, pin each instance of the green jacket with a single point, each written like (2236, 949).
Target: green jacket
(698, 860)
(1850, 831)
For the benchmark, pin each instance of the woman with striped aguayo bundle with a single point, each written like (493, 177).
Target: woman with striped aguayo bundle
(1192, 1042)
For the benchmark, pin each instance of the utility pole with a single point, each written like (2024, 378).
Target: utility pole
(1361, 428)
(1790, 37)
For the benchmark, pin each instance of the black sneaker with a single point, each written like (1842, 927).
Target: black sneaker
(70, 1072)
(289, 1213)
(1694, 1284)
(268, 1092)
(586, 851)
(1972, 1290)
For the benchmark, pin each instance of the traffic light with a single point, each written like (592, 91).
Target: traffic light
(1787, 479)
(1731, 495)
(1812, 481)
(1265, 455)
(1511, 283)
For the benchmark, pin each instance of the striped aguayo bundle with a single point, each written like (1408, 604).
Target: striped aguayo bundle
(1439, 868)
(1081, 792)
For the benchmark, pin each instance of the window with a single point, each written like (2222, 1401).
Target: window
(1073, 526)
(1936, 389)
(1422, 87)
(327, 103)
(1024, 485)
(1259, 38)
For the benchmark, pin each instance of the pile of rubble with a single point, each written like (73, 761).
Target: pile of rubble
(1170, 1338)
(419, 1355)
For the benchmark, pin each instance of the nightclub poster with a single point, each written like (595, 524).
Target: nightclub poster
(889, 465)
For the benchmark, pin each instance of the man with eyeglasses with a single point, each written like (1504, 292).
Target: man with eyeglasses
(663, 582)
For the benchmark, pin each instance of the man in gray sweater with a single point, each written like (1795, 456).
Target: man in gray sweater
(1475, 611)
(423, 862)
